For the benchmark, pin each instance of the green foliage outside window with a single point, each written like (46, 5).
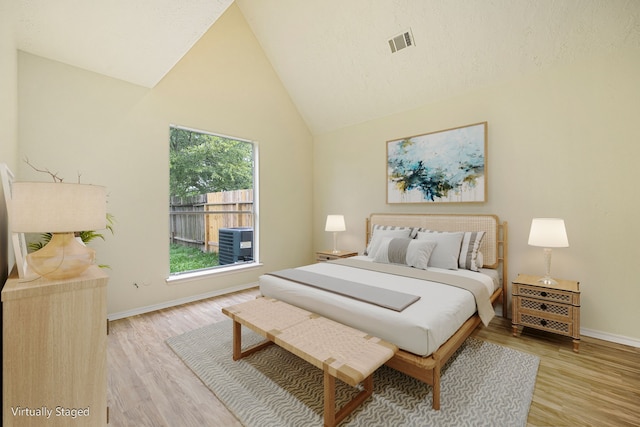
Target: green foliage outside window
(202, 163)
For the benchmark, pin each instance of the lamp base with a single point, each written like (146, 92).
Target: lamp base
(335, 243)
(62, 258)
(547, 280)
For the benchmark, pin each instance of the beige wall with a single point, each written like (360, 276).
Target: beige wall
(116, 134)
(561, 144)
(8, 86)
(8, 120)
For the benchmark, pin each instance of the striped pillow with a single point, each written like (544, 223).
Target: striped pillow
(469, 250)
(405, 251)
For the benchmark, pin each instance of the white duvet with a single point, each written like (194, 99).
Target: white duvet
(421, 328)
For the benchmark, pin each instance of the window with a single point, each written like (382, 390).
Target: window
(212, 208)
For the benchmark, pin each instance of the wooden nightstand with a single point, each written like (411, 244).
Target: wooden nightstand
(322, 256)
(552, 308)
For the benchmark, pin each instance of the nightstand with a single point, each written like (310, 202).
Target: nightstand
(552, 308)
(322, 256)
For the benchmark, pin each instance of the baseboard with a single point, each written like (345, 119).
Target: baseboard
(180, 301)
(619, 339)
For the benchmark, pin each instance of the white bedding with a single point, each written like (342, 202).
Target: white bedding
(421, 328)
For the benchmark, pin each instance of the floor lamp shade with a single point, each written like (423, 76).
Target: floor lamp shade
(61, 209)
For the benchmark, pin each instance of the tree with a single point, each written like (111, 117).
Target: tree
(203, 163)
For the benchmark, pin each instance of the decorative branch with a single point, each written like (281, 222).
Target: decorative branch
(55, 176)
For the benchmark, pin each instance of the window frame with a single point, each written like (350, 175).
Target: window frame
(187, 276)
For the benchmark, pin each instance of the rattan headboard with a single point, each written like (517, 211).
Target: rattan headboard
(494, 244)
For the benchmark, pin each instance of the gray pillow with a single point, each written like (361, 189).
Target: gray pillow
(405, 251)
(380, 233)
(447, 252)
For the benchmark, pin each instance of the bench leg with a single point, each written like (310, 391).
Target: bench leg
(331, 417)
(237, 343)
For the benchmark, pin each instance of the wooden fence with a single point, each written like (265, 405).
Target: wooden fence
(195, 221)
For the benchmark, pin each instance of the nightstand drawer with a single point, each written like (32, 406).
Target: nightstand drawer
(546, 324)
(545, 308)
(556, 295)
(325, 257)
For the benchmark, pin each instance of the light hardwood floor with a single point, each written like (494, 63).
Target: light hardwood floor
(150, 386)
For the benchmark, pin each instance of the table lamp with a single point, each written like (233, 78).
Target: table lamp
(60, 209)
(335, 223)
(548, 233)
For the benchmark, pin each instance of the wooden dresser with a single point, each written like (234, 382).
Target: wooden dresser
(55, 351)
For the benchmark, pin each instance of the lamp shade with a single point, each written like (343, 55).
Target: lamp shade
(335, 223)
(548, 233)
(56, 207)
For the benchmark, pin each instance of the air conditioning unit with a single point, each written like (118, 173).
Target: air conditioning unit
(235, 245)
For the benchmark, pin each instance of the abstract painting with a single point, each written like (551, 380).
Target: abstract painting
(447, 166)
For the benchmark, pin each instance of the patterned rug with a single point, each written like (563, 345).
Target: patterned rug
(483, 384)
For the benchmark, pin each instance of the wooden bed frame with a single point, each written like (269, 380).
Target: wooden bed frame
(494, 249)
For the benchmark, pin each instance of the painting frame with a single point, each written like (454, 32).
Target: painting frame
(445, 166)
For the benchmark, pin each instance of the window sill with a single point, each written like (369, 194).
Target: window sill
(220, 271)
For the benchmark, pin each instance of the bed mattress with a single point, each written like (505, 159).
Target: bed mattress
(420, 328)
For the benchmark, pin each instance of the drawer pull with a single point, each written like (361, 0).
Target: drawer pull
(543, 307)
(544, 294)
(543, 322)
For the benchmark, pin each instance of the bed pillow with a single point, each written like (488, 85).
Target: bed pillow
(380, 232)
(480, 260)
(405, 251)
(447, 252)
(377, 227)
(469, 250)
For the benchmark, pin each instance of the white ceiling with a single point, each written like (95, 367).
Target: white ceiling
(138, 41)
(332, 55)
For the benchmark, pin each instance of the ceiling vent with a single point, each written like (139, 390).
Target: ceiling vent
(401, 41)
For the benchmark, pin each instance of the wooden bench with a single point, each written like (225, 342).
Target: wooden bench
(340, 351)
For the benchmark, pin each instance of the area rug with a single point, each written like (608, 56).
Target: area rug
(483, 384)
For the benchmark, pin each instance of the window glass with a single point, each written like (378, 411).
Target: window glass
(212, 207)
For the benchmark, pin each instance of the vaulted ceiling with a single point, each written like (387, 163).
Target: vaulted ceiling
(333, 56)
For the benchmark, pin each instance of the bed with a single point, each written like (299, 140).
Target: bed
(435, 319)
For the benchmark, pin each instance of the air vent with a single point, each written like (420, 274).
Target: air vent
(401, 41)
